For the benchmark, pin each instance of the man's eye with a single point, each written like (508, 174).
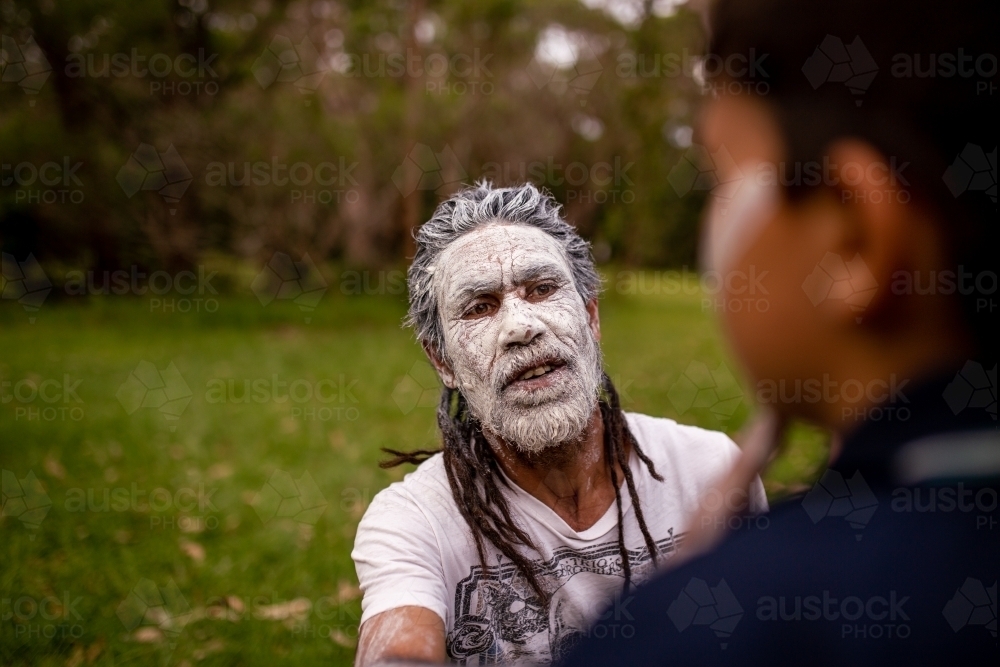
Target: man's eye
(544, 289)
(478, 310)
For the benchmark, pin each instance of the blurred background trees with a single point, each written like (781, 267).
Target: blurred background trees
(152, 132)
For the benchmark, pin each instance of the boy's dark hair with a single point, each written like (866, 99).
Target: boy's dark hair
(913, 112)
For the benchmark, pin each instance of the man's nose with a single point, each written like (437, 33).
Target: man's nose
(520, 325)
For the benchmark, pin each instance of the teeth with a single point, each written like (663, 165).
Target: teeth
(535, 372)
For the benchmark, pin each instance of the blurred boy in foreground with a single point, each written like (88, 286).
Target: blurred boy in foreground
(867, 192)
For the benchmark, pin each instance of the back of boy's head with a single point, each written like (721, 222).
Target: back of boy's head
(916, 79)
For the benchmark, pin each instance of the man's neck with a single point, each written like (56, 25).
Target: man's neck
(572, 478)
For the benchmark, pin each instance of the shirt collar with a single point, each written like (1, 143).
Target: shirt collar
(934, 410)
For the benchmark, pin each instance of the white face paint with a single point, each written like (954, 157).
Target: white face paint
(731, 227)
(517, 335)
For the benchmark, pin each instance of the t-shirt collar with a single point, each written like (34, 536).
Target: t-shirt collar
(532, 506)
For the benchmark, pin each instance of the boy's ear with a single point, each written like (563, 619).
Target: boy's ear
(441, 366)
(875, 225)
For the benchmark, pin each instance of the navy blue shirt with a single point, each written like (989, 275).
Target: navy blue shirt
(891, 559)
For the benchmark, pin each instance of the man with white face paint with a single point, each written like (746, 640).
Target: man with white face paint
(547, 502)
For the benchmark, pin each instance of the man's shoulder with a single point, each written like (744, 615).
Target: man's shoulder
(664, 437)
(424, 491)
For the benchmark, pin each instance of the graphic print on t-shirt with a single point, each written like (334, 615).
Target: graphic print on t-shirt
(499, 618)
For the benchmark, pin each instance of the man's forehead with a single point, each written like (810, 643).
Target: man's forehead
(499, 252)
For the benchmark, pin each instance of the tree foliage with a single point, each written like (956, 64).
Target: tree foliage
(333, 128)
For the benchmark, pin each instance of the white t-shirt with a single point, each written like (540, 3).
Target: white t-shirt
(414, 548)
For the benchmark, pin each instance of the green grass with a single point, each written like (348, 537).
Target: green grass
(232, 547)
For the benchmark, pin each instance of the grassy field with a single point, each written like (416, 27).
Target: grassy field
(157, 513)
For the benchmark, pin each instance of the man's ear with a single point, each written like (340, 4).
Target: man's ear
(594, 319)
(872, 224)
(441, 366)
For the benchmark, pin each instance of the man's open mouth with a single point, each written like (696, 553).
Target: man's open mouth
(536, 375)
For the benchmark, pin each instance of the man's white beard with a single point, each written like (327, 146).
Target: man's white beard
(535, 429)
(546, 418)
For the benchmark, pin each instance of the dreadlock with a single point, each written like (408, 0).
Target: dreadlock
(474, 477)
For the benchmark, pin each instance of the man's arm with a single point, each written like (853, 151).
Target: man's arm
(408, 633)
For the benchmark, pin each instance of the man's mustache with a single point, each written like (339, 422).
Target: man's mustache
(518, 361)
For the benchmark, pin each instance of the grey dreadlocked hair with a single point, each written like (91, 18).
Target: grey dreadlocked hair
(473, 472)
(466, 211)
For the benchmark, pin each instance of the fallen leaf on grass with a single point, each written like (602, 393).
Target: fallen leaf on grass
(194, 550)
(230, 609)
(220, 470)
(347, 591)
(191, 524)
(148, 634)
(235, 603)
(296, 610)
(210, 647)
(94, 651)
(53, 467)
(341, 638)
(76, 657)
